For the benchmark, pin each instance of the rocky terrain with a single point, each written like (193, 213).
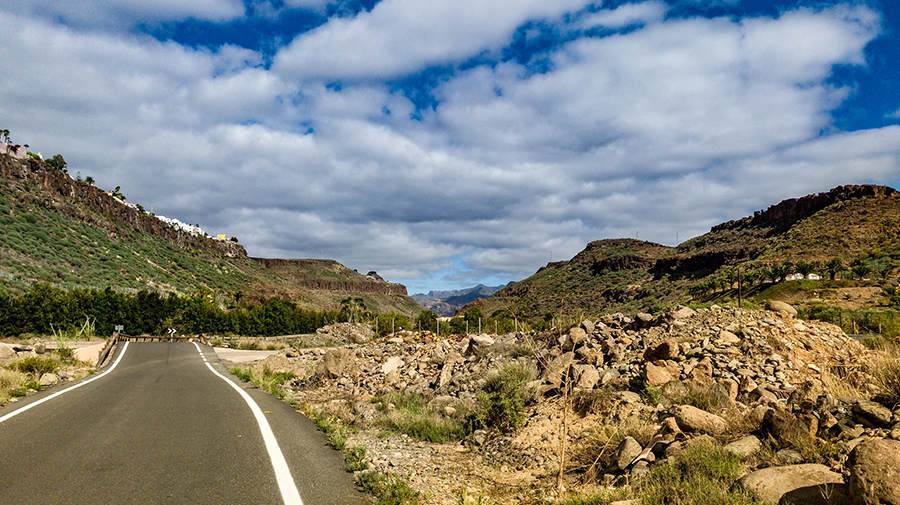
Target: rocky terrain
(616, 397)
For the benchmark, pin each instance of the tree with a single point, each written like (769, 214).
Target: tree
(58, 162)
(860, 269)
(89, 180)
(834, 267)
(352, 306)
(805, 268)
(426, 320)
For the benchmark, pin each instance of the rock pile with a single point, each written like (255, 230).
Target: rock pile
(744, 379)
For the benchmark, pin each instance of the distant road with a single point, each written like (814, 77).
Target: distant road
(162, 427)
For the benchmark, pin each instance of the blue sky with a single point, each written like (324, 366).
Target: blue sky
(450, 143)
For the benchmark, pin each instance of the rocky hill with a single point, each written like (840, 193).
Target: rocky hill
(857, 225)
(70, 233)
(792, 410)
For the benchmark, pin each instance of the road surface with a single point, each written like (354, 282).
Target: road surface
(161, 426)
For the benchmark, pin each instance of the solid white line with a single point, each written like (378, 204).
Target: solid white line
(289, 493)
(76, 386)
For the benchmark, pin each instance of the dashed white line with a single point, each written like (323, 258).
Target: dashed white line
(289, 493)
(76, 386)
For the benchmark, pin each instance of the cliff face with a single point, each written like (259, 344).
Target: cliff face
(51, 188)
(314, 274)
(794, 209)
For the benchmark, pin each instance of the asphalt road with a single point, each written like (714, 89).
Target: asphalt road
(162, 427)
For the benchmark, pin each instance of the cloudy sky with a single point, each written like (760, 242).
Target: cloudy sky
(446, 143)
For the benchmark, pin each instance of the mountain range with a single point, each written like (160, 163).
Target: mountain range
(446, 303)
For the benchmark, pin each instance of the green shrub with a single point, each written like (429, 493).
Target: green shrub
(412, 416)
(36, 365)
(388, 490)
(269, 381)
(503, 400)
(701, 475)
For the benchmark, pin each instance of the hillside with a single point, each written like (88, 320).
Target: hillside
(857, 225)
(69, 233)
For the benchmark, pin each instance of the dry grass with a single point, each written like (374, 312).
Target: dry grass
(884, 368)
(846, 381)
(10, 382)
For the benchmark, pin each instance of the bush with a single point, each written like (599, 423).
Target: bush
(412, 416)
(388, 490)
(269, 381)
(503, 400)
(35, 365)
(701, 475)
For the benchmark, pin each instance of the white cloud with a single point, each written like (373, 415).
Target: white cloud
(670, 128)
(627, 15)
(126, 13)
(403, 36)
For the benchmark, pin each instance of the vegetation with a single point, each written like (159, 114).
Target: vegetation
(267, 380)
(412, 415)
(81, 313)
(702, 474)
(505, 396)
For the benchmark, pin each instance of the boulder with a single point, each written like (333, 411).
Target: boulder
(744, 447)
(875, 473)
(681, 312)
(49, 379)
(6, 350)
(479, 345)
(336, 362)
(786, 428)
(667, 349)
(784, 308)
(691, 418)
(656, 375)
(391, 365)
(728, 338)
(39, 348)
(796, 484)
(874, 413)
(586, 376)
(557, 368)
(628, 449)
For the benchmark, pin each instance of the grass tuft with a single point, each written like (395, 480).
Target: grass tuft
(410, 414)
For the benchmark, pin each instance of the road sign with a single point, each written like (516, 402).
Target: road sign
(119, 328)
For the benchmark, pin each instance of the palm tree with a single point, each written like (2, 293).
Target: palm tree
(780, 272)
(805, 268)
(860, 269)
(834, 267)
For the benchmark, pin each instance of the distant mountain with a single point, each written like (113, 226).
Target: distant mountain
(446, 303)
(859, 226)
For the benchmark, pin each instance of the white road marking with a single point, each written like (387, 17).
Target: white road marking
(289, 493)
(76, 386)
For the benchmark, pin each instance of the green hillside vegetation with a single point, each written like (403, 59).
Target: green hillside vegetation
(848, 237)
(72, 236)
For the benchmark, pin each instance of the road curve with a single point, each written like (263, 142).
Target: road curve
(162, 427)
